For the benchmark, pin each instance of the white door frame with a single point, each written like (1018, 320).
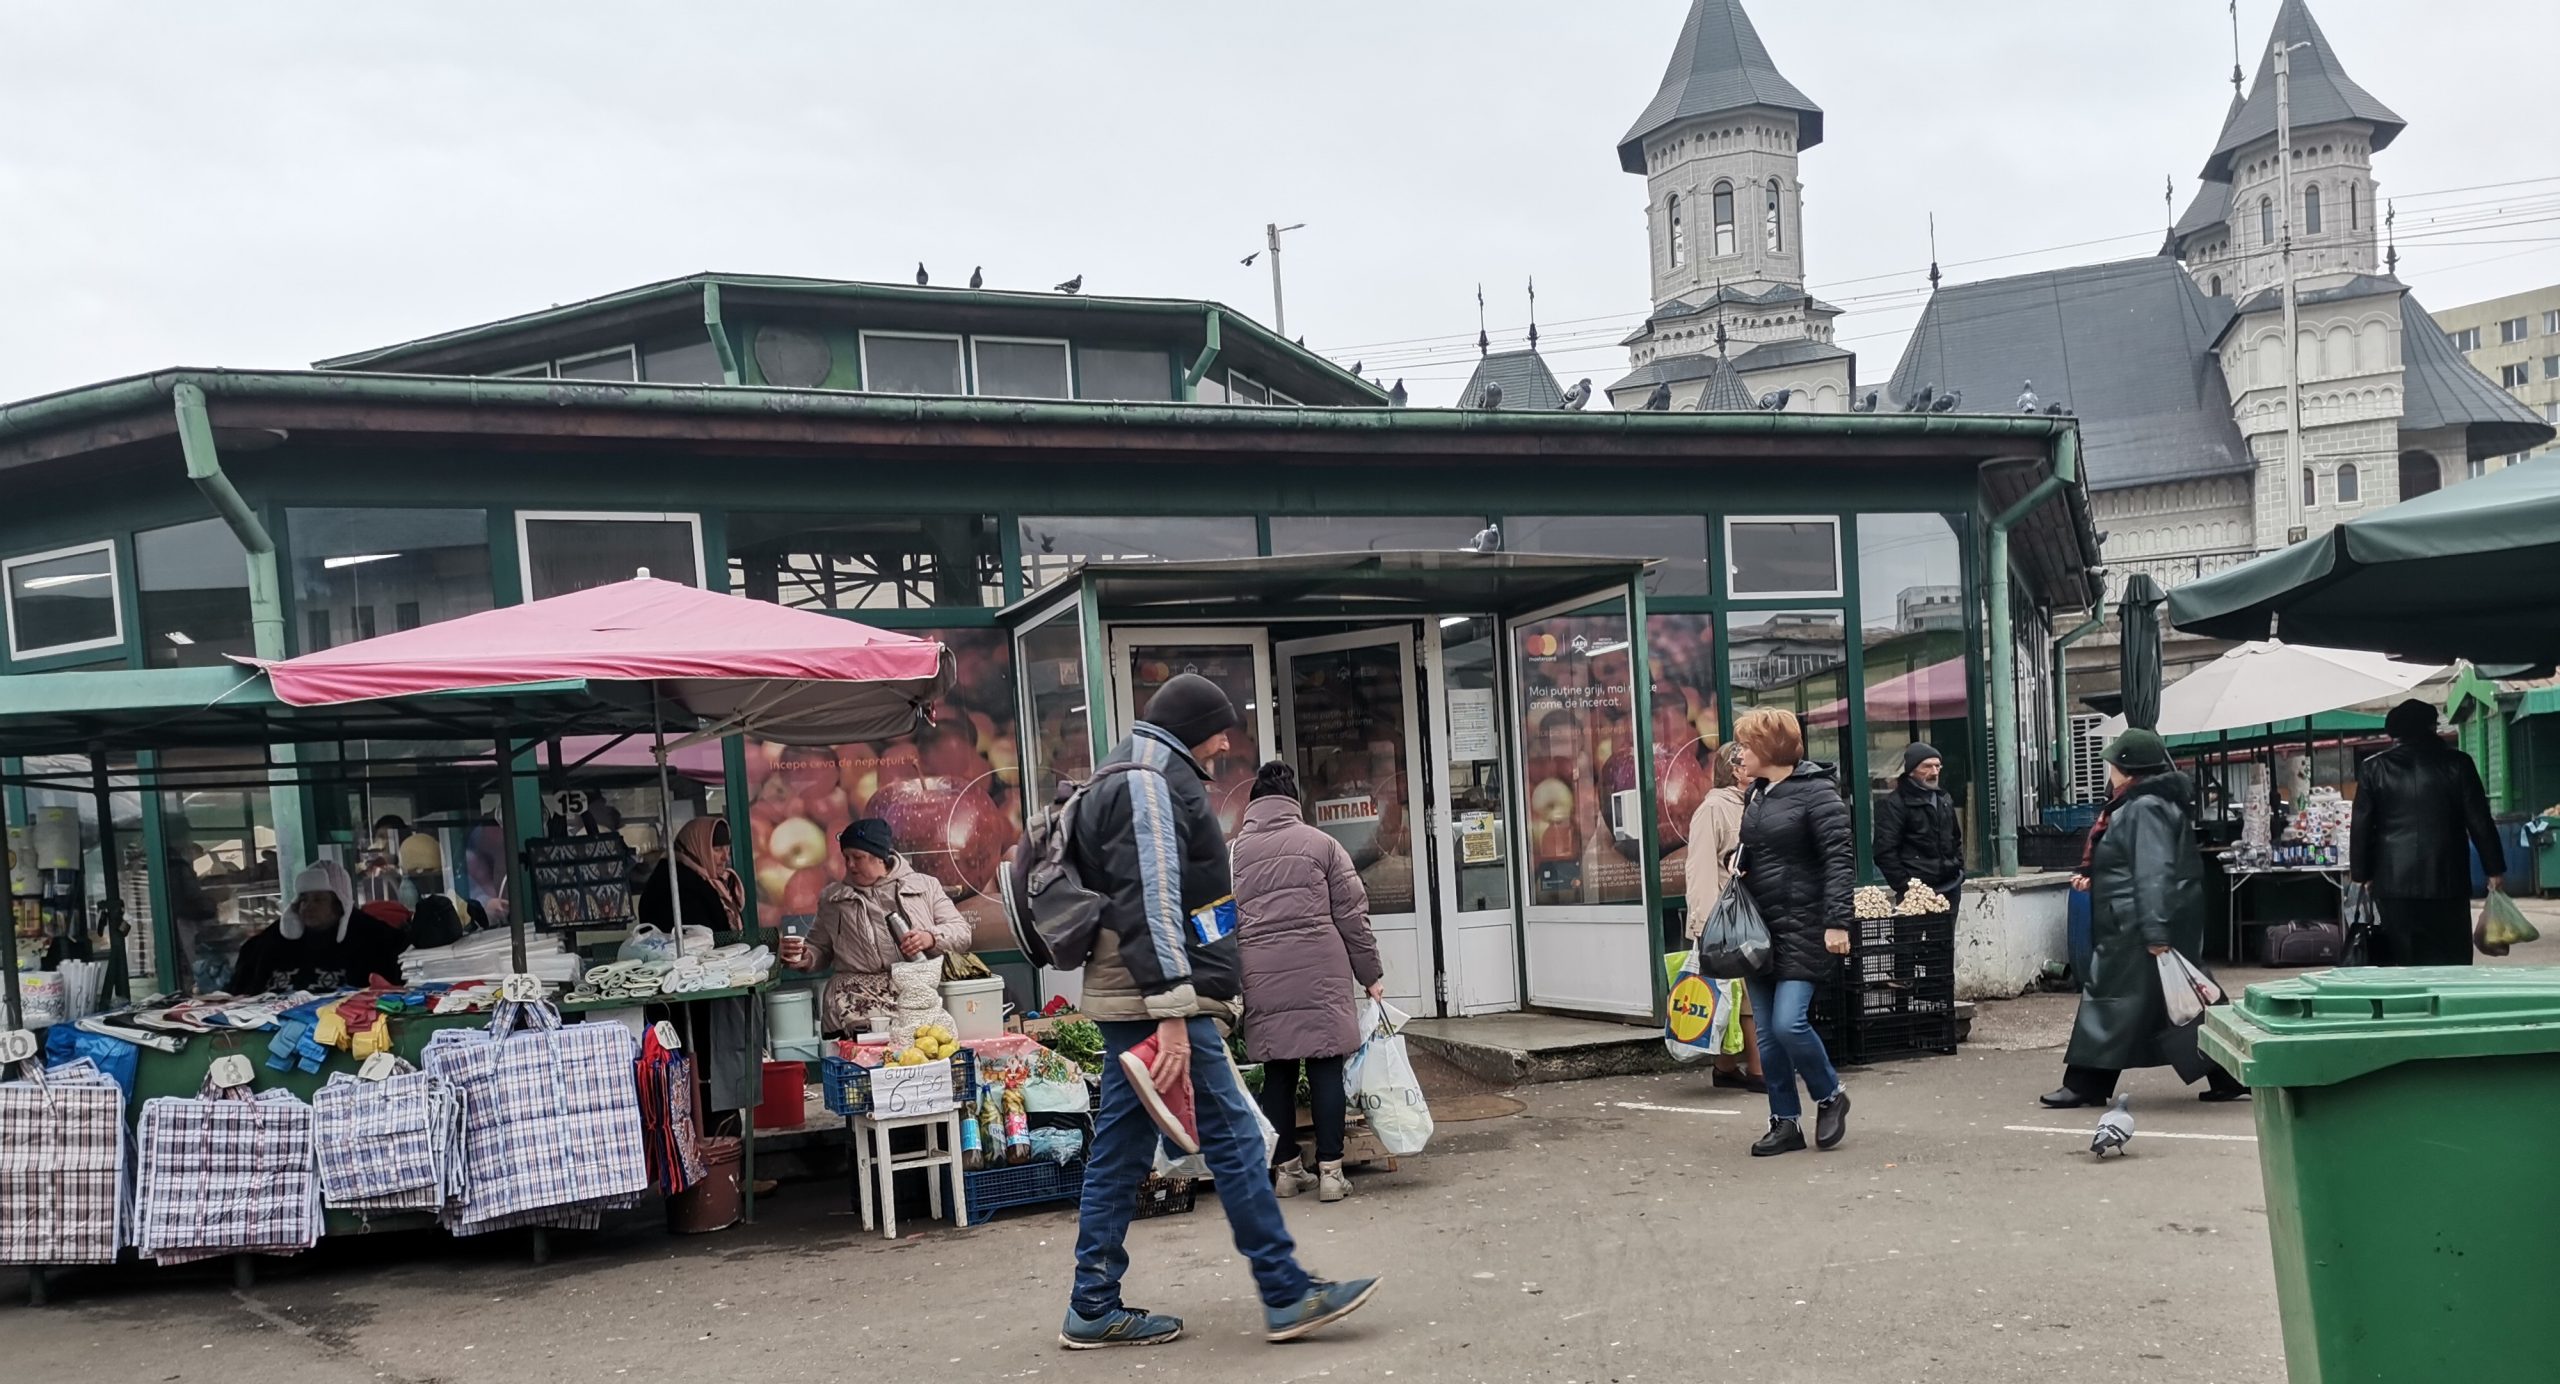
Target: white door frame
(1599, 956)
(1495, 987)
(1421, 953)
(1124, 709)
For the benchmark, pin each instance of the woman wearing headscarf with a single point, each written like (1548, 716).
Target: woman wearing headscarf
(320, 942)
(1800, 864)
(1714, 831)
(2145, 881)
(882, 912)
(705, 883)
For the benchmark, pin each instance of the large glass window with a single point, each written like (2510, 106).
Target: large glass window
(1577, 736)
(951, 793)
(1052, 545)
(1787, 557)
(1478, 790)
(62, 874)
(1021, 369)
(224, 877)
(1115, 373)
(194, 580)
(1060, 735)
(1680, 651)
(620, 363)
(362, 572)
(575, 552)
(893, 364)
(64, 601)
(856, 562)
(1680, 541)
(1383, 533)
(1796, 659)
(691, 360)
(1911, 603)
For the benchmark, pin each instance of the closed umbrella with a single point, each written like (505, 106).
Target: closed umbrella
(2139, 618)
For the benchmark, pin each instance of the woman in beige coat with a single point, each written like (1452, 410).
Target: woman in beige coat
(1713, 834)
(882, 912)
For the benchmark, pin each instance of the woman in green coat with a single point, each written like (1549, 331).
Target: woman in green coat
(2145, 881)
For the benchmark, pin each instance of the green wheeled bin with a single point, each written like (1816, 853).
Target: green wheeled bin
(2409, 1128)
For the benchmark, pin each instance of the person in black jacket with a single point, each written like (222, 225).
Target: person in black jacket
(1800, 867)
(1164, 966)
(319, 943)
(2418, 804)
(1917, 836)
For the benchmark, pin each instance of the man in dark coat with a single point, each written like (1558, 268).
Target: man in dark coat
(2145, 882)
(2419, 804)
(1917, 835)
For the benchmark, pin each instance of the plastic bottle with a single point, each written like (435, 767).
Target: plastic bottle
(973, 1156)
(1017, 1127)
(990, 1121)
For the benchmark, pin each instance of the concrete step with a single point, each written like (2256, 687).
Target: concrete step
(1504, 1050)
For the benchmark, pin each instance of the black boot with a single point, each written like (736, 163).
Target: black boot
(2063, 1099)
(1783, 1137)
(1831, 1122)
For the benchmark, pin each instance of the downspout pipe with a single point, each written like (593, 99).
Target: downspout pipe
(1208, 359)
(204, 467)
(2004, 648)
(719, 332)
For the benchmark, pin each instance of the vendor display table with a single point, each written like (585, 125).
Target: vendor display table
(939, 1157)
(2237, 879)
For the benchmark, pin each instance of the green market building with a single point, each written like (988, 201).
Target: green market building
(1495, 642)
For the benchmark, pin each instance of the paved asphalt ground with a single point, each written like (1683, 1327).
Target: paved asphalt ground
(1612, 1231)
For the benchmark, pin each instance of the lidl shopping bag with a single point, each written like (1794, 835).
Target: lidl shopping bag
(1699, 1010)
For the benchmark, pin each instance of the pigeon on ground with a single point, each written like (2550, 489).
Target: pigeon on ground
(1919, 402)
(922, 278)
(1397, 396)
(1492, 395)
(1577, 396)
(2115, 1129)
(1947, 402)
(978, 277)
(1074, 285)
(1865, 405)
(1659, 401)
(1776, 401)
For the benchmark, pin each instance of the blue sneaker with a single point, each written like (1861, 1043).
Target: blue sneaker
(1120, 1326)
(1324, 1304)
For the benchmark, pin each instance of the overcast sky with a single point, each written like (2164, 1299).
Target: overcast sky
(264, 185)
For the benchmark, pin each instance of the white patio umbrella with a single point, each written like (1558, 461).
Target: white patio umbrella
(2265, 681)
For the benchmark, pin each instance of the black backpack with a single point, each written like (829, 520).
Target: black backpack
(1054, 912)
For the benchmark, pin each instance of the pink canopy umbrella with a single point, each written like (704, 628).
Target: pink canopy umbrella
(1934, 693)
(732, 664)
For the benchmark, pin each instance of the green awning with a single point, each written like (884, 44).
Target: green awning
(2326, 725)
(2541, 701)
(2470, 572)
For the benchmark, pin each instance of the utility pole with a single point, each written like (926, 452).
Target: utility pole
(1272, 232)
(2296, 527)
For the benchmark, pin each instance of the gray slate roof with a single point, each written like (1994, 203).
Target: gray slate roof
(2441, 389)
(1526, 381)
(2359, 286)
(1723, 380)
(2322, 93)
(2126, 346)
(1719, 64)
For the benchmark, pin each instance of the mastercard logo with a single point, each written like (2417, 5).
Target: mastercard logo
(1541, 645)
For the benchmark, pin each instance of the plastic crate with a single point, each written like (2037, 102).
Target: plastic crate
(848, 1083)
(1030, 1184)
(1165, 1196)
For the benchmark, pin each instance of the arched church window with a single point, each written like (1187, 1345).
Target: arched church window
(2354, 218)
(1679, 234)
(2348, 490)
(2217, 285)
(2311, 209)
(2266, 221)
(1777, 237)
(2310, 489)
(1724, 218)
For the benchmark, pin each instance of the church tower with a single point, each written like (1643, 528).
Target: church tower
(1718, 148)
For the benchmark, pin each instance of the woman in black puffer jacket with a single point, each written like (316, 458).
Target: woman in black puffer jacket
(1800, 866)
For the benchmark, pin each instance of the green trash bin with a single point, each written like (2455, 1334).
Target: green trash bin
(2408, 1126)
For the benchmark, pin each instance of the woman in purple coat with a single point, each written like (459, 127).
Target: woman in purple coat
(1302, 929)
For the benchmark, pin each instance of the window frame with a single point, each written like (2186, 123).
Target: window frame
(1776, 220)
(2349, 484)
(2463, 339)
(1679, 240)
(2551, 321)
(1066, 353)
(2266, 220)
(962, 357)
(2514, 329)
(2311, 209)
(539, 370)
(1720, 214)
(1839, 569)
(115, 589)
(524, 519)
(629, 353)
(2515, 375)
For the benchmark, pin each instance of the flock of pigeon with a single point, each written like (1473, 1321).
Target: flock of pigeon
(978, 279)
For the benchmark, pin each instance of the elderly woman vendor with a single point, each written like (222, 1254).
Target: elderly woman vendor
(320, 942)
(883, 911)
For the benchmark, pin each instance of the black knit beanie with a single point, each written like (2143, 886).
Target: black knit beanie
(1919, 753)
(1190, 708)
(872, 837)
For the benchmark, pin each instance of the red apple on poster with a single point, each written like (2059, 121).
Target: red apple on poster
(800, 896)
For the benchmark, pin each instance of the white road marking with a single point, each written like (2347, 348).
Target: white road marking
(2139, 1134)
(1674, 1109)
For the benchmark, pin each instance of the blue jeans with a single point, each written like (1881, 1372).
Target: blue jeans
(1124, 1148)
(1789, 1048)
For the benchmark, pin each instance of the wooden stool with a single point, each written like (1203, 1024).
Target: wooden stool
(941, 1151)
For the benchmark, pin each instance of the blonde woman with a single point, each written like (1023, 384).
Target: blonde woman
(1713, 833)
(1800, 865)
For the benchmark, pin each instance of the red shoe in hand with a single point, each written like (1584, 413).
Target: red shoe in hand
(1176, 1115)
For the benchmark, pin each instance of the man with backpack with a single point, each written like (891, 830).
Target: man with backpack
(1137, 889)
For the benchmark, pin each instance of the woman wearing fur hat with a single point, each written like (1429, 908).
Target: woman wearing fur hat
(320, 943)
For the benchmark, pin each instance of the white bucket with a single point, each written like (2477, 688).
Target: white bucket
(977, 1007)
(791, 1015)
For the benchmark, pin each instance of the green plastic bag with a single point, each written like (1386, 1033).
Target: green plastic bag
(2501, 925)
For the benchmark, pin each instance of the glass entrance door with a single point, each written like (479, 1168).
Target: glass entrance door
(1479, 936)
(1145, 658)
(1350, 724)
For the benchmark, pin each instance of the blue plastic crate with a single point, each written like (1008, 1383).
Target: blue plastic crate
(1028, 1184)
(848, 1083)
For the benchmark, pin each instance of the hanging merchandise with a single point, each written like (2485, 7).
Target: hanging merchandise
(389, 1144)
(551, 1116)
(62, 1166)
(666, 1112)
(225, 1172)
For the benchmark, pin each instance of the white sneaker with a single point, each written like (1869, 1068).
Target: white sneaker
(1331, 1185)
(1292, 1179)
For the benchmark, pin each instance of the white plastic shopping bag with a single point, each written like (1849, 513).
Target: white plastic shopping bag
(1381, 1084)
(2186, 988)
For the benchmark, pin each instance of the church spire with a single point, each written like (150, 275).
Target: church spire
(2323, 94)
(1718, 65)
